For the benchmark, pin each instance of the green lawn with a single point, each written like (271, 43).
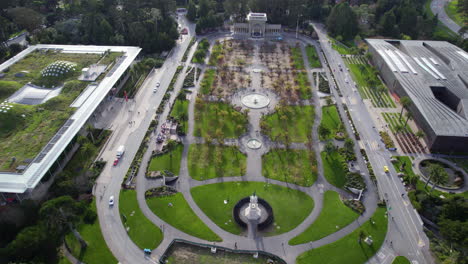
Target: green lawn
(181, 216)
(302, 80)
(452, 11)
(393, 120)
(206, 85)
(180, 112)
(368, 83)
(296, 55)
(333, 217)
(212, 161)
(314, 60)
(289, 123)
(97, 250)
(218, 120)
(169, 161)
(401, 260)
(26, 129)
(290, 165)
(141, 230)
(331, 120)
(211, 198)
(333, 169)
(347, 249)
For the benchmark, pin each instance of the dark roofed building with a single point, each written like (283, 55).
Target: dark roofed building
(434, 75)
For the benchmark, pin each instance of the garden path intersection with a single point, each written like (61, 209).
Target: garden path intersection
(404, 231)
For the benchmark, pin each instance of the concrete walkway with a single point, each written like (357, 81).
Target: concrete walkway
(276, 244)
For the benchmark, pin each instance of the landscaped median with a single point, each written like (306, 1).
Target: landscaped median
(290, 165)
(139, 228)
(333, 217)
(290, 207)
(172, 208)
(352, 248)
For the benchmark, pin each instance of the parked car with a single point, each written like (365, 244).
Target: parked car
(184, 31)
(111, 200)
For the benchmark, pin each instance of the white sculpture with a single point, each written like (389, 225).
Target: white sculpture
(253, 212)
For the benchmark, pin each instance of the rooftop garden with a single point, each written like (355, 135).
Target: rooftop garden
(25, 129)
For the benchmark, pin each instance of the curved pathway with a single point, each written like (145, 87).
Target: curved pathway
(438, 8)
(274, 244)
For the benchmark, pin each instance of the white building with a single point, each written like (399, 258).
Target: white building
(257, 27)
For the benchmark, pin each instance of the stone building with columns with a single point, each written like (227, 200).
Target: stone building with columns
(256, 27)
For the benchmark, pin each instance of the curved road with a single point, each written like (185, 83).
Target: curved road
(437, 7)
(139, 110)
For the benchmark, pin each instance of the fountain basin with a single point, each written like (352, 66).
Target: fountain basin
(255, 101)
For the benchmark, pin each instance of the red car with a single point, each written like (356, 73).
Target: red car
(116, 161)
(184, 31)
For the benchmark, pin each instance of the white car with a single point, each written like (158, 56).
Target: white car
(111, 200)
(157, 84)
(155, 89)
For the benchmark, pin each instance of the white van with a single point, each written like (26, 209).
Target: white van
(120, 151)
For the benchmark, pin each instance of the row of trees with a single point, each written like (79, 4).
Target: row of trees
(144, 23)
(204, 14)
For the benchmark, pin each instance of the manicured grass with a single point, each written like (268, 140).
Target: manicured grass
(452, 11)
(408, 165)
(333, 170)
(210, 198)
(206, 85)
(331, 120)
(97, 250)
(140, 229)
(296, 56)
(218, 120)
(290, 165)
(367, 82)
(401, 260)
(289, 123)
(314, 60)
(181, 216)
(180, 112)
(347, 249)
(333, 217)
(305, 91)
(211, 161)
(169, 161)
(393, 120)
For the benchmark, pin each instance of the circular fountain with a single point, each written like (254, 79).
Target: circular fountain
(255, 101)
(254, 143)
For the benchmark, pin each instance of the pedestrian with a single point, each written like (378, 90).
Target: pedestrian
(235, 245)
(402, 194)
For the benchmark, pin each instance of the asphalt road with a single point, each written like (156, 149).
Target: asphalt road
(437, 7)
(141, 110)
(405, 234)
